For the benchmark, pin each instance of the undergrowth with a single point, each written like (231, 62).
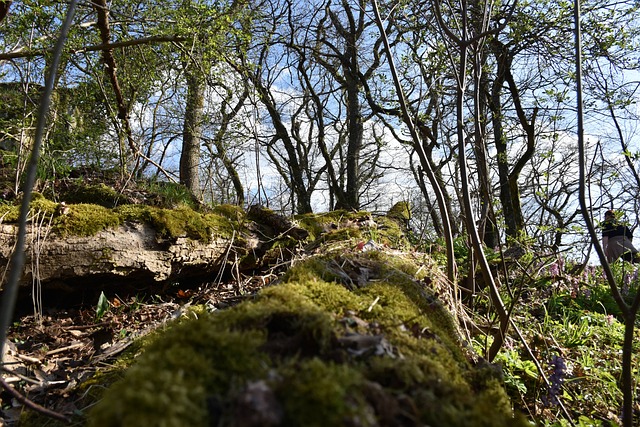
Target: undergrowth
(574, 328)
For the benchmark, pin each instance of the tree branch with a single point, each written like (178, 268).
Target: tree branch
(104, 46)
(32, 405)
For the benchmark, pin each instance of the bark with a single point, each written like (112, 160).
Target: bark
(509, 188)
(126, 254)
(192, 134)
(136, 254)
(4, 9)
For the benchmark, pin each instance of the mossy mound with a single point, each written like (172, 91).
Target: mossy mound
(344, 226)
(98, 194)
(400, 211)
(84, 219)
(104, 188)
(348, 340)
(179, 222)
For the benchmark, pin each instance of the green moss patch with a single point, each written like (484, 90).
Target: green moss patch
(87, 219)
(39, 206)
(185, 222)
(344, 226)
(314, 350)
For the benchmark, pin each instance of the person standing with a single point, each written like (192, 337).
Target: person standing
(616, 239)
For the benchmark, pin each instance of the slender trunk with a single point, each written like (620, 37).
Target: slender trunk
(192, 134)
(227, 162)
(487, 225)
(462, 43)
(110, 67)
(354, 145)
(501, 148)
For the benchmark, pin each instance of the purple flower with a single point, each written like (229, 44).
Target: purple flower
(589, 273)
(556, 379)
(610, 319)
(630, 278)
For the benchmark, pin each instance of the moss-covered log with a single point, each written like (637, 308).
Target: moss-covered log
(131, 243)
(355, 339)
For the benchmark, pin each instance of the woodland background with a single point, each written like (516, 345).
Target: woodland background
(297, 106)
(292, 104)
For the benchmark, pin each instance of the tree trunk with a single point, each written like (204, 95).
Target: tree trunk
(355, 131)
(192, 134)
(506, 198)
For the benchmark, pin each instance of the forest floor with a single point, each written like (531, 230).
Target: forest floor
(50, 353)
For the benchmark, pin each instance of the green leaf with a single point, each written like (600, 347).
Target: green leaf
(102, 307)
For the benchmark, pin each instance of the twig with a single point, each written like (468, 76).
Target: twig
(225, 259)
(19, 377)
(32, 405)
(28, 359)
(81, 327)
(375, 301)
(63, 349)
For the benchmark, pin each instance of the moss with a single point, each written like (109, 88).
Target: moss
(86, 220)
(390, 232)
(291, 338)
(400, 211)
(99, 194)
(182, 370)
(38, 205)
(315, 224)
(180, 222)
(222, 225)
(232, 212)
(327, 388)
(134, 213)
(319, 224)
(182, 401)
(170, 194)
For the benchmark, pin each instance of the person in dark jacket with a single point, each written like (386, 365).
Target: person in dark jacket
(616, 239)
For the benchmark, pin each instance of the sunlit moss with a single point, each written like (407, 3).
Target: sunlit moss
(133, 213)
(39, 205)
(86, 220)
(291, 338)
(232, 212)
(400, 211)
(328, 222)
(185, 222)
